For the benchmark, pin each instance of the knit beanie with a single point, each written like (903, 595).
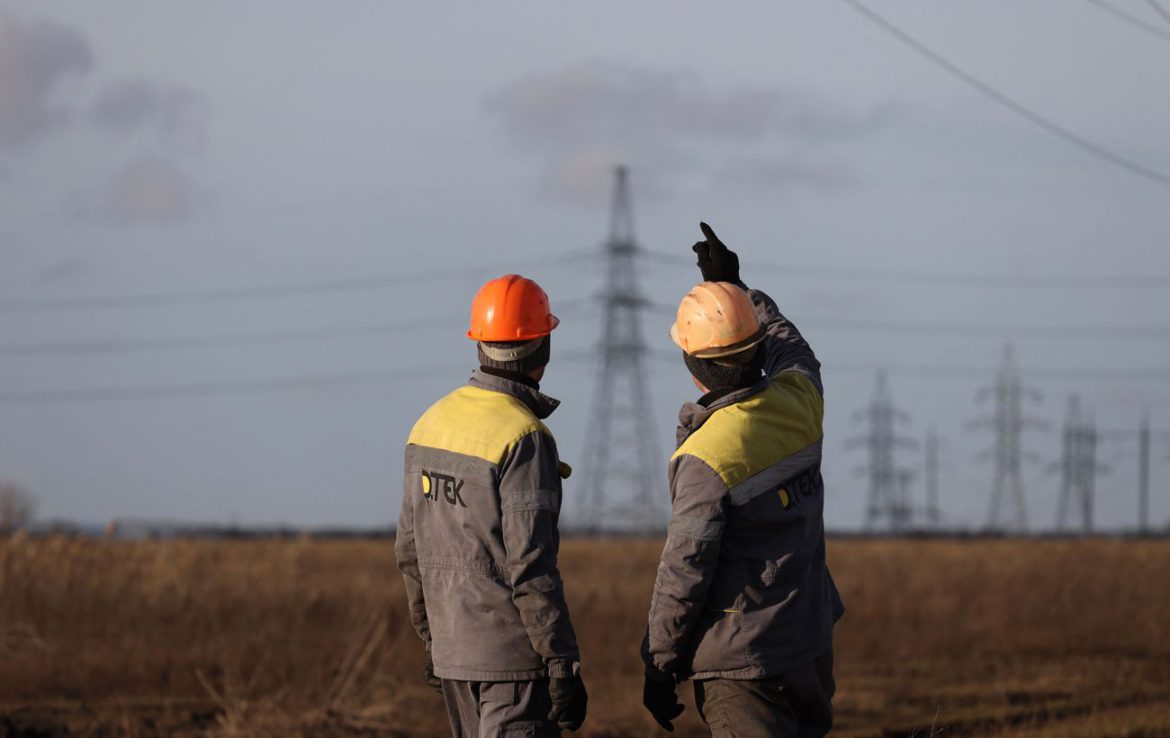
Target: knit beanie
(515, 356)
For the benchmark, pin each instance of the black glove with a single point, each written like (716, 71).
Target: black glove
(716, 261)
(433, 681)
(660, 698)
(569, 699)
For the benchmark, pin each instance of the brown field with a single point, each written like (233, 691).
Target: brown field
(299, 638)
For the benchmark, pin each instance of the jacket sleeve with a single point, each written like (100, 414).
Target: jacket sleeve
(407, 557)
(687, 567)
(784, 348)
(530, 503)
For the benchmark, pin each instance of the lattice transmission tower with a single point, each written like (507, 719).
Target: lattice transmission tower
(889, 483)
(1078, 467)
(625, 487)
(930, 480)
(1008, 422)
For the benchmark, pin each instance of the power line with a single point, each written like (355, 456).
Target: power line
(226, 294)
(340, 379)
(1132, 19)
(249, 339)
(197, 389)
(345, 332)
(259, 338)
(1019, 109)
(1158, 374)
(1097, 332)
(948, 279)
(829, 366)
(1157, 8)
(1016, 281)
(266, 292)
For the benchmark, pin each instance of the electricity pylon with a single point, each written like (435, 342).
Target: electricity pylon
(624, 480)
(1142, 434)
(1078, 467)
(1008, 422)
(889, 495)
(930, 480)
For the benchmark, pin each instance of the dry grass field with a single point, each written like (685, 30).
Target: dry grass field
(304, 637)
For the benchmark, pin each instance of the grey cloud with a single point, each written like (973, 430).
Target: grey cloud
(607, 100)
(177, 115)
(35, 57)
(150, 190)
(671, 124)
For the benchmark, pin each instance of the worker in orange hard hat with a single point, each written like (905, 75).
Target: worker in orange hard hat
(477, 536)
(743, 603)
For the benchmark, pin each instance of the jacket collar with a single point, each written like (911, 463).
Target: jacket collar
(693, 414)
(539, 403)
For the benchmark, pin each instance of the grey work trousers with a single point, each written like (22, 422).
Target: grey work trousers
(499, 709)
(797, 703)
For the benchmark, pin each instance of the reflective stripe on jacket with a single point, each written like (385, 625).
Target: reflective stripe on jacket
(742, 590)
(477, 536)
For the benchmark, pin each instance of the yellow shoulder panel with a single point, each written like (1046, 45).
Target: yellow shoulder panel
(743, 439)
(476, 422)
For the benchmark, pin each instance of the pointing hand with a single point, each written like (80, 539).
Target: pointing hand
(717, 262)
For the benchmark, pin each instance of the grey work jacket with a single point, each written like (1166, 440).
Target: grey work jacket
(477, 536)
(742, 590)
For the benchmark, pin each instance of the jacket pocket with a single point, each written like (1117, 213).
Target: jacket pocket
(526, 729)
(499, 693)
(718, 641)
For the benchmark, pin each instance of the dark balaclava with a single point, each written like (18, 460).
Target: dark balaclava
(728, 372)
(520, 357)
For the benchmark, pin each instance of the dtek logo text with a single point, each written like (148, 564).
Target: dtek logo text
(435, 485)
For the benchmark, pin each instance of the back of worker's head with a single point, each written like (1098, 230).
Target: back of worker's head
(738, 370)
(522, 357)
(719, 332)
(511, 323)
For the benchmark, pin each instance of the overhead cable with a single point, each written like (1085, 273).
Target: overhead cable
(345, 332)
(264, 292)
(952, 279)
(1133, 20)
(1157, 8)
(1080, 333)
(259, 338)
(1011, 104)
(828, 365)
(150, 392)
(1156, 374)
(200, 389)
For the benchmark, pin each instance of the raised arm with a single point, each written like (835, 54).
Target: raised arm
(785, 349)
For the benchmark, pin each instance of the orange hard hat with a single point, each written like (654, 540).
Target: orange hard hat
(510, 308)
(716, 319)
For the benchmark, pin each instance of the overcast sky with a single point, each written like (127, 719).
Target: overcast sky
(164, 148)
